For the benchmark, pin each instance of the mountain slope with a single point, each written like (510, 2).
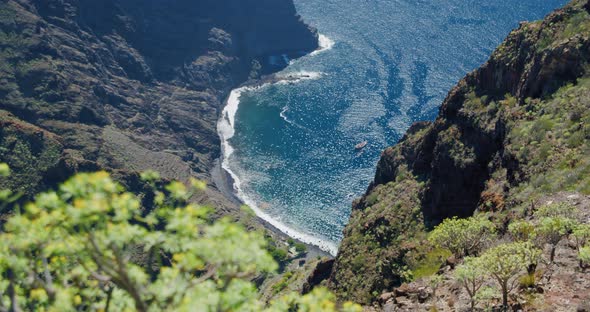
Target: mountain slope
(129, 85)
(509, 133)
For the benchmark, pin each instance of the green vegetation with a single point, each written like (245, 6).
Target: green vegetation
(515, 263)
(429, 262)
(550, 142)
(471, 276)
(30, 151)
(558, 210)
(575, 24)
(4, 170)
(462, 154)
(91, 246)
(527, 281)
(520, 127)
(584, 257)
(279, 254)
(300, 248)
(378, 239)
(556, 221)
(463, 237)
(522, 230)
(581, 235)
(435, 282)
(283, 283)
(486, 295)
(505, 264)
(552, 230)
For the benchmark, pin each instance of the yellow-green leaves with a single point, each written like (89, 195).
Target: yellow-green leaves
(198, 185)
(39, 294)
(521, 230)
(6, 196)
(507, 262)
(150, 176)
(92, 242)
(85, 185)
(462, 236)
(584, 257)
(558, 210)
(581, 235)
(177, 190)
(319, 300)
(4, 170)
(471, 275)
(125, 207)
(552, 230)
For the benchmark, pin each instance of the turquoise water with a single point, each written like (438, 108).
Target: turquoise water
(392, 63)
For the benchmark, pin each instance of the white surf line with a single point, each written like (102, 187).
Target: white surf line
(295, 77)
(226, 130)
(324, 44)
(283, 115)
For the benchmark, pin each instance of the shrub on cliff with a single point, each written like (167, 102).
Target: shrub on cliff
(557, 221)
(300, 248)
(558, 210)
(551, 230)
(581, 235)
(507, 262)
(463, 237)
(522, 231)
(91, 246)
(278, 254)
(6, 196)
(4, 170)
(471, 275)
(584, 257)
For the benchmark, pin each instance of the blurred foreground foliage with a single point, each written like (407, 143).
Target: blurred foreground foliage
(90, 246)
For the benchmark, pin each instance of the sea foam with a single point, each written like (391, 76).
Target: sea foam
(226, 130)
(324, 44)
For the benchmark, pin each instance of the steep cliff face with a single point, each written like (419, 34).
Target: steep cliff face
(127, 85)
(503, 137)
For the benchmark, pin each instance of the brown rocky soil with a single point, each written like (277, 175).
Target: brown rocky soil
(561, 287)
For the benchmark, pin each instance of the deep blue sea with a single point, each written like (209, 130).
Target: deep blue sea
(392, 63)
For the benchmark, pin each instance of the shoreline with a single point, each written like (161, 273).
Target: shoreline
(224, 183)
(228, 182)
(226, 130)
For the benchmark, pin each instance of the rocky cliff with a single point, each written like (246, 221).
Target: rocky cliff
(510, 133)
(129, 85)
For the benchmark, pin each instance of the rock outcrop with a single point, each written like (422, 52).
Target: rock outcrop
(320, 273)
(499, 139)
(129, 85)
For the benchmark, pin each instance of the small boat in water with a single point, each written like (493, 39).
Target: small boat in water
(361, 145)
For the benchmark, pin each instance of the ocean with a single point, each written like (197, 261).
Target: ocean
(384, 64)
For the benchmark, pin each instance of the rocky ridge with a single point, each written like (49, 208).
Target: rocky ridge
(511, 132)
(130, 85)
